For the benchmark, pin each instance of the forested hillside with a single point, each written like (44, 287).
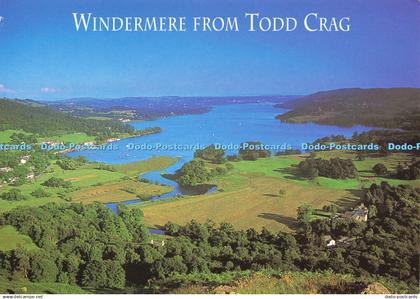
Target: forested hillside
(376, 107)
(147, 108)
(43, 121)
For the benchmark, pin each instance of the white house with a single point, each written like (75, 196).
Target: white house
(329, 241)
(6, 169)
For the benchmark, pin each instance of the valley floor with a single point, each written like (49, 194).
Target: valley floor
(249, 195)
(92, 184)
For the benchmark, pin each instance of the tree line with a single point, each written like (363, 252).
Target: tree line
(43, 121)
(335, 168)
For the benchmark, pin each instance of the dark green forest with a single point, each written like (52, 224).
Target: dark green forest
(43, 121)
(396, 108)
(335, 168)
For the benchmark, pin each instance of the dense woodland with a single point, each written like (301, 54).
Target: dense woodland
(335, 168)
(385, 137)
(211, 154)
(195, 173)
(44, 122)
(387, 245)
(90, 246)
(252, 150)
(375, 107)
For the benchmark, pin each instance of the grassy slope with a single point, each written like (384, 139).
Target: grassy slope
(266, 282)
(10, 239)
(24, 286)
(376, 107)
(117, 191)
(139, 167)
(5, 135)
(76, 138)
(92, 181)
(249, 195)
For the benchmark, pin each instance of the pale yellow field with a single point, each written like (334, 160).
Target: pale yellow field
(256, 205)
(248, 196)
(114, 192)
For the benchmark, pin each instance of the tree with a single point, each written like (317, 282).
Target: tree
(412, 172)
(304, 214)
(171, 228)
(380, 169)
(115, 275)
(335, 168)
(133, 219)
(312, 173)
(252, 150)
(39, 192)
(95, 275)
(210, 153)
(43, 269)
(332, 208)
(56, 182)
(192, 173)
(13, 195)
(21, 261)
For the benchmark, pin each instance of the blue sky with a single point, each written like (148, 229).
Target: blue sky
(43, 57)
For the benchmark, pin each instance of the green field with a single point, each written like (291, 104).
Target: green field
(24, 286)
(139, 167)
(248, 196)
(99, 118)
(118, 191)
(5, 135)
(65, 138)
(10, 239)
(76, 138)
(94, 184)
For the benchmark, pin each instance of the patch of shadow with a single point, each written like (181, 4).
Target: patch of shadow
(271, 195)
(345, 203)
(350, 201)
(366, 171)
(292, 173)
(197, 190)
(357, 192)
(290, 222)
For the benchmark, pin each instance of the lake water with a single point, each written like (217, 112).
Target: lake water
(225, 124)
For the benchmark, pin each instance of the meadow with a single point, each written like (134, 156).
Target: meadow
(92, 184)
(24, 286)
(272, 282)
(267, 193)
(76, 138)
(5, 135)
(10, 239)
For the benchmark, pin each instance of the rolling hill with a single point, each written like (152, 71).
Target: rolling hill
(396, 108)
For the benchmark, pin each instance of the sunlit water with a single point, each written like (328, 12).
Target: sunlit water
(224, 124)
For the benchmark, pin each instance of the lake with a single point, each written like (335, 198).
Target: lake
(224, 124)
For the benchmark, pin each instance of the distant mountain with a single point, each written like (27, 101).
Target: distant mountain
(153, 107)
(376, 107)
(27, 102)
